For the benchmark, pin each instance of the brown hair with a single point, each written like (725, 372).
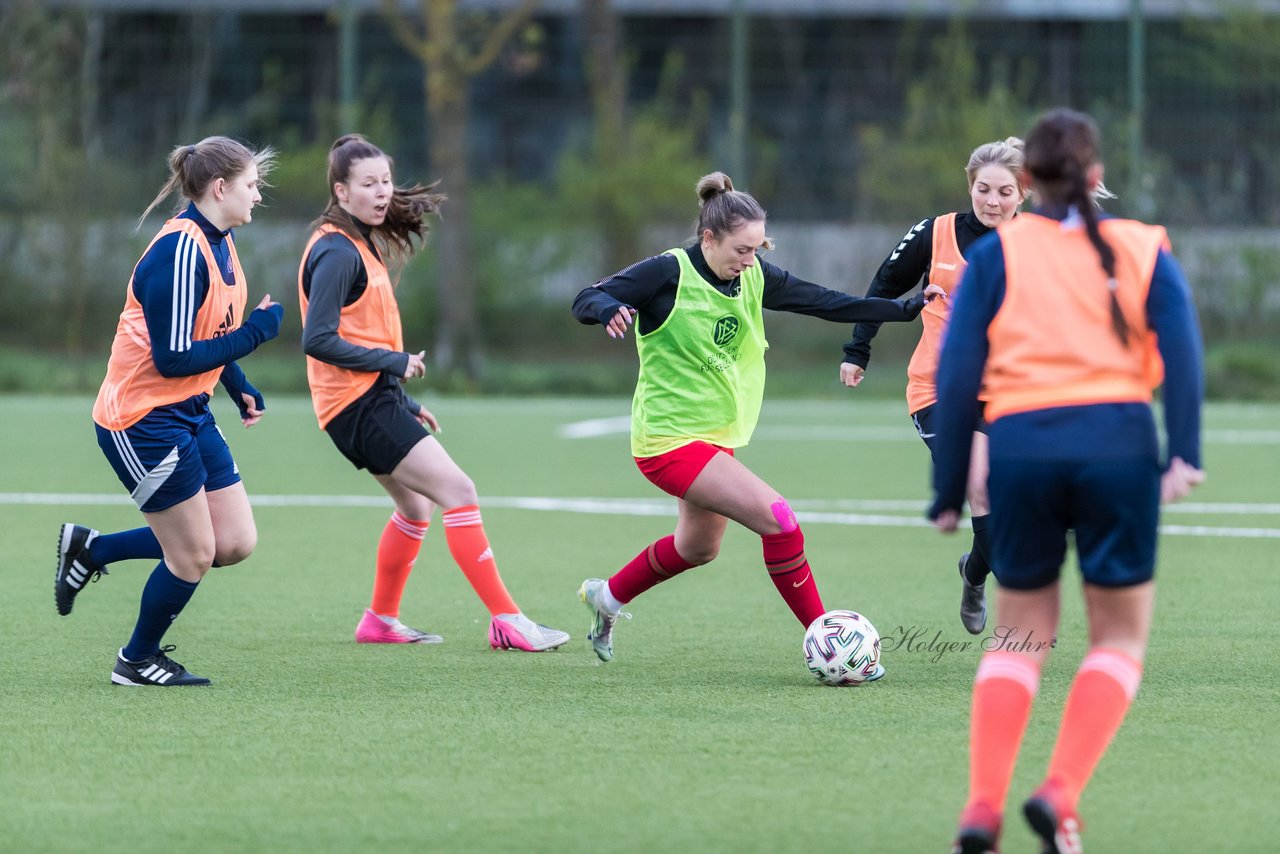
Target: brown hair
(406, 212)
(723, 209)
(1060, 149)
(192, 168)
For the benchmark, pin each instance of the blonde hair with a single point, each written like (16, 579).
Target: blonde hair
(192, 168)
(1008, 153)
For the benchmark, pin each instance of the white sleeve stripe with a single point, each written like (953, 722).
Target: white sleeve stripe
(189, 295)
(173, 318)
(183, 293)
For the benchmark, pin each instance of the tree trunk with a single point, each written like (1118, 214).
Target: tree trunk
(607, 81)
(457, 343)
(79, 285)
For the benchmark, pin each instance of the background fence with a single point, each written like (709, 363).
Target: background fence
(585, 132)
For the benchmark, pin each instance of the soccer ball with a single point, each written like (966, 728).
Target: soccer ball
(842, 648)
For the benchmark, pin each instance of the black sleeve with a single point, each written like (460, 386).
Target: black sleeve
(409, 403)
(785, 292)
(335, 264)
(648, 286)
(900, 272)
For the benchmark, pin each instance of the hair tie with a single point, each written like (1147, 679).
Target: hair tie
(191, 149)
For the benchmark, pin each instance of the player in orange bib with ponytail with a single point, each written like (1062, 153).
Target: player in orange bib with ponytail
(1068, 321)
(356, 364)
(933, 252)
(181, 331)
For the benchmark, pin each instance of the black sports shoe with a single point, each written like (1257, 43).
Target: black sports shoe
(75, 570)
(973, 602)
(159, 670)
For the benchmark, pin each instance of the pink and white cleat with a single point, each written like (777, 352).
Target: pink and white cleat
(376, 629)
(516, 631)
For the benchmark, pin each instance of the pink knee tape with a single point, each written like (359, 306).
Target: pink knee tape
(782, 512)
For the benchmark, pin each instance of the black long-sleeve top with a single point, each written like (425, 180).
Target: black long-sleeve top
(649, 286)
(907, 266)
(334, 277)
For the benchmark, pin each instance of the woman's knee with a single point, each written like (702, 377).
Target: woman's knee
(459, 491)
(698, 553)
(232, 549)
(193, 561)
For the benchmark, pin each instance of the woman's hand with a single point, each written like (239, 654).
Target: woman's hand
(426, 419)
(416, 367)
(947, 521)
(851, 374)
(266, 303)
(251, 414)
(617, 325)
(933, 292)
(1178, 481)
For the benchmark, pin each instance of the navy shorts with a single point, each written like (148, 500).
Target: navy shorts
(170, 454)
(924, 420)
(377, 430)
(1112, 504)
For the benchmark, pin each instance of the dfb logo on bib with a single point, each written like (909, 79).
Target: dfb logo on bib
(726, 329)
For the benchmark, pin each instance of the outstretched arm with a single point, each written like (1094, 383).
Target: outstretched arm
(785, 292)
(906, 265)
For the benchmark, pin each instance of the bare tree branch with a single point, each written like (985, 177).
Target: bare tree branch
(419, 46)
(507, 25)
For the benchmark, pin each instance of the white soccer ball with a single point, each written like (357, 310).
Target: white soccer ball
(842, 648)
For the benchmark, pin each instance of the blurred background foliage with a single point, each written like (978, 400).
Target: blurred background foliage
(584, 137)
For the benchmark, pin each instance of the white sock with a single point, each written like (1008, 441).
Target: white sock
(610, 602)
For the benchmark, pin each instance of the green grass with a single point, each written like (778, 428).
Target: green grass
(706, 732)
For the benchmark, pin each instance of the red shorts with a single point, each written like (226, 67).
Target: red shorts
(675, 471)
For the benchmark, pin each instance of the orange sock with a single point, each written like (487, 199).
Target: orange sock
(397, 550)
(464, 532)
(1003, 689)
(1099, 699)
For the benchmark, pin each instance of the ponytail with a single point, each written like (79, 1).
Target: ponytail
(192, 168)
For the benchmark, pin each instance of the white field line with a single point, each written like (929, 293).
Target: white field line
(807, 510)
(621, 424)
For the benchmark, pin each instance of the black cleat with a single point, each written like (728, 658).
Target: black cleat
(75, 570)
(973, 602)
(979, 831)
(159, 670)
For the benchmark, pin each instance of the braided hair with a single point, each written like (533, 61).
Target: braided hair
(1060, 149)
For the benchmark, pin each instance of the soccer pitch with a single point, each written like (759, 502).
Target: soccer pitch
(705, 733)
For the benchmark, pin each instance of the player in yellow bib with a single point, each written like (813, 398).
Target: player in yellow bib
(701, 343)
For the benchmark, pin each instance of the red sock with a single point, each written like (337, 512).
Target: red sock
(1099, 699)
(789, 571)
(464, 532)
(1003, 689)
(659, 562)
(397, 550)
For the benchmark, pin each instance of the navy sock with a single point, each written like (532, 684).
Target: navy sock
(125, 545)
(977, 569)
(163, 598)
